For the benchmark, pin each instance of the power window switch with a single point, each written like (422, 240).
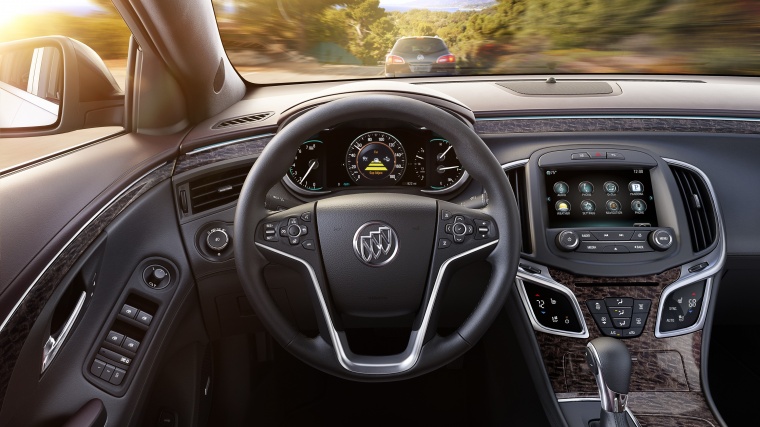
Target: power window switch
(131, 344)
(115, 338)
(144, 318)
(118, 376)
(128, 311)
(97, 367)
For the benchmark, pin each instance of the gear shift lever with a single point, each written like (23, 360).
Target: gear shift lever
(610, 363)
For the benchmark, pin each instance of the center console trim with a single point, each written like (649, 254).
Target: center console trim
(596, 399)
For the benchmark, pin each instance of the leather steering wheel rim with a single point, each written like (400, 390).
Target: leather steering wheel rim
(475, 157)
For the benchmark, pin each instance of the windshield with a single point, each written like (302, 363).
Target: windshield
(281, 41)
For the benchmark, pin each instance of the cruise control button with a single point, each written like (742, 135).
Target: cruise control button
(292, 221)
(621, 323)
(294, 240)
(641, 305)
(308, 244)
(306, 217)
(444, 243)
(620, 311)
(618, 302)
(596, 306)
(615, 249)
(612, 332)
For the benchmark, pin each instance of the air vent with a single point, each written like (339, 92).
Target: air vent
(242, 120)
(217, 189)
(516, 177)
(700, 210)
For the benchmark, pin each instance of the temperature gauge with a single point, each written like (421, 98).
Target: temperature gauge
(446, 169)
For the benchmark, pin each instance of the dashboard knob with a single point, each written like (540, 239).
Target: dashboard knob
(568, 240)
(156, 276)
(661, 239)
(217, 239)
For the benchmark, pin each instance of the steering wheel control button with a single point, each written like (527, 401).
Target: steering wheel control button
(661, 239)
(306, 217)
(482, 229)
(294, 230)
(444, 243)
(568, 240)
(552, 309)
(304, 230)
(292, 221)
(308, 244)
(459, 229)
(128, 311)
(283, 232)
(294, 240)
(449, 228)
(682, 307)
(144, 318)
(445, 215)
(579, 156)
(596, 306)
(156, 276)
(376, 243)
(115, 338)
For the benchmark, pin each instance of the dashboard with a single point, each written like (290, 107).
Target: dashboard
(375, 154)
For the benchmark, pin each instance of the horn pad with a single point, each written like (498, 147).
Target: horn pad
(377, 251)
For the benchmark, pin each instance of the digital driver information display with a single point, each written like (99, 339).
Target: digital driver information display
(599, 198)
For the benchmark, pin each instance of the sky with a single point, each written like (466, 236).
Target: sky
(10, 9)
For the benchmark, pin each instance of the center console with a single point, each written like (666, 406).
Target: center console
(625, 244)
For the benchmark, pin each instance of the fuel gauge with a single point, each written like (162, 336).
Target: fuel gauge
(446, 170)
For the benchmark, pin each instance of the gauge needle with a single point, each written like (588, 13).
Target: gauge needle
(420, 157)
(443, 155)
(441, 169)
(313, 164)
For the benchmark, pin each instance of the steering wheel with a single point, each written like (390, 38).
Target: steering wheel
(376, 256)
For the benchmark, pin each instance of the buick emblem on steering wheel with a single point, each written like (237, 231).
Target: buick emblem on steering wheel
(375, 243)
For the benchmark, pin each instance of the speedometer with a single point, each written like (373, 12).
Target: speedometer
(376, 158)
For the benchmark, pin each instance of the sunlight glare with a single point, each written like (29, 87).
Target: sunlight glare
(11, 9)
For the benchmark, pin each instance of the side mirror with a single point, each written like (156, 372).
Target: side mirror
(51, 85)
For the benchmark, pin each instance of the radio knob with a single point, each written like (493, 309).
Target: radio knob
(568, 240)
(661, 239)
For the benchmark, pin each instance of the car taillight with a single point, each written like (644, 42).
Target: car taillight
(446, 58)
(393, 59)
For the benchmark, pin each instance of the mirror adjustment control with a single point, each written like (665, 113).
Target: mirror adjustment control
(568, 240)
(218, 239)
(156, 276)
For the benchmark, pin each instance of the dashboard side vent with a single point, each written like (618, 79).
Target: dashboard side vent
(242, 120)
(217, 189)
(700, 211)
(517, 180)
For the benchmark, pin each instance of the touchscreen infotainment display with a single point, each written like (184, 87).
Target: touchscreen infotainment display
(600, 198)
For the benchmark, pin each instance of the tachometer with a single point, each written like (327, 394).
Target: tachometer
(376, 158)
(307, 170)
(447, 170)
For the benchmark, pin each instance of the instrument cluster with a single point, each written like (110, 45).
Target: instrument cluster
(399, 156)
